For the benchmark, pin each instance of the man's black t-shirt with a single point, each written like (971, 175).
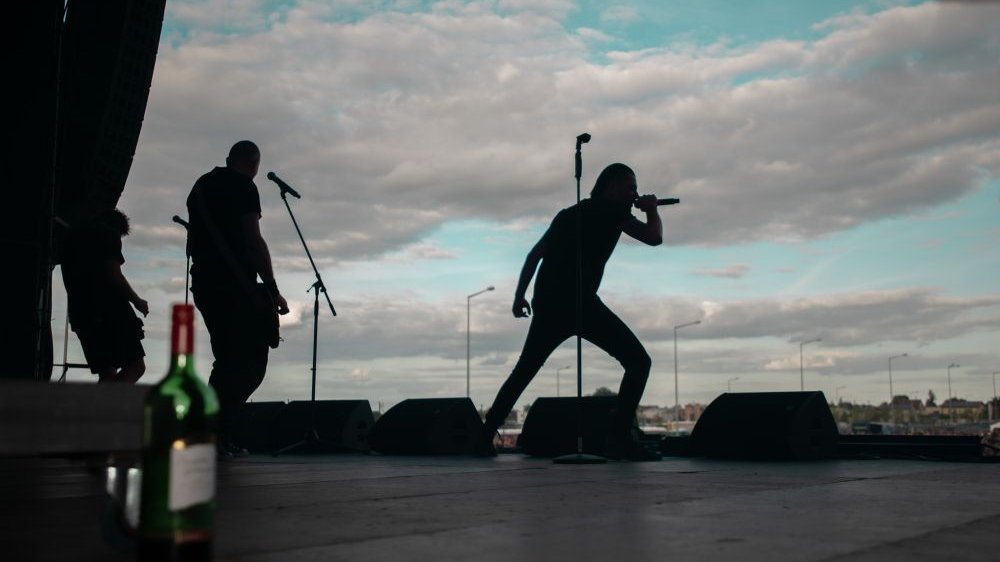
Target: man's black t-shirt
(602, 227)
(225, 195)
(91, 298)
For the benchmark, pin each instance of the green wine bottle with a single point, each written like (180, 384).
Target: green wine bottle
(177, 508)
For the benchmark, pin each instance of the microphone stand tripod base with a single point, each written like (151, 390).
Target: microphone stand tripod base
(311, 444)
(579, 458)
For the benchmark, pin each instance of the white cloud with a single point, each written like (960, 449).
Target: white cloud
(404, 325)
(392, 124)
(420, 346)
(791, 362)
(425, 251)
(842, 320)
(620, 14)
(397, 122)
(594, 34)
(734, 271)
(294, 319)
(390, 346)
(359, 373)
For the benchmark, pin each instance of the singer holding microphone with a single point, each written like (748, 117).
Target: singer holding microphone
(606, 214)
(228, 253)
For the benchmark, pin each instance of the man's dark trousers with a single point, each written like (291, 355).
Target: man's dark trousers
(550, 326)
(239, 349)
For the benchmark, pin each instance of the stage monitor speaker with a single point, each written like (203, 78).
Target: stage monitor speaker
(551, 426)
(428, 426)
(341, 425)
(767, 426)
(255, 427)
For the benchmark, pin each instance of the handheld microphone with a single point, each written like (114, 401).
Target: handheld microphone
(661, 202)
(180, 221)
(285, 188)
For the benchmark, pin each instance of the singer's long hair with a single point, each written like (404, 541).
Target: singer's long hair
(610, 173)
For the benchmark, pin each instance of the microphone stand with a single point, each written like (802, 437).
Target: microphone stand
(187, 252)
(579, 457)
(311, 441)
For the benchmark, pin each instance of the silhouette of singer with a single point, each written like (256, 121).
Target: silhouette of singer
(606, 214)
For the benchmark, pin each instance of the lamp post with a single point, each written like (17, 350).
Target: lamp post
(729, 384)
(995, 404)
(802, 377)
(557, 378)
(836, 393)
(677, 400)
(951, 401)
(468, 336)
(892, 396)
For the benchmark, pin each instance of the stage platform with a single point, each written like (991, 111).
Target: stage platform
(391, 508)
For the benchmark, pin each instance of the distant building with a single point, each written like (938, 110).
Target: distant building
(962, 409)
(961, 404)
(691, 412)
(904, 402)
(649, 415)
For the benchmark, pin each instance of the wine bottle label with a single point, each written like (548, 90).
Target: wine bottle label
(192, 475)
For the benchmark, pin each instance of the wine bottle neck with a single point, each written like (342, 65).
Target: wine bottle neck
(181, 362)
(182, 331)
(182, 339)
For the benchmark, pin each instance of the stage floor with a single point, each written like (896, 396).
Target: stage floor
(374, 508)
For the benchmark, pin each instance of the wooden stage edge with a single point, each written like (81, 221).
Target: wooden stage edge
(43, 418)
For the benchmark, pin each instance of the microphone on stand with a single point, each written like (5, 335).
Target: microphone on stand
(187, 251)
(580, 140)
(285, 188)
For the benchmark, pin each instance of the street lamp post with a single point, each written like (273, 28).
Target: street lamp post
(677, 400)
(468, 336)
(729, 384)
(951, 400)
(992, 409)
(557, 378)
(802, 377)
(995, 404)
(892, 396)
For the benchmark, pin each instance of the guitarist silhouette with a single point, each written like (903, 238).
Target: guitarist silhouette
(228, 253)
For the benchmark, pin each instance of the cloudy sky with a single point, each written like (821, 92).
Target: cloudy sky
(838, 165)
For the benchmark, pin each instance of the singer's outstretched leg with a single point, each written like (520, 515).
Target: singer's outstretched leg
(548, 329)
(603, 328)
